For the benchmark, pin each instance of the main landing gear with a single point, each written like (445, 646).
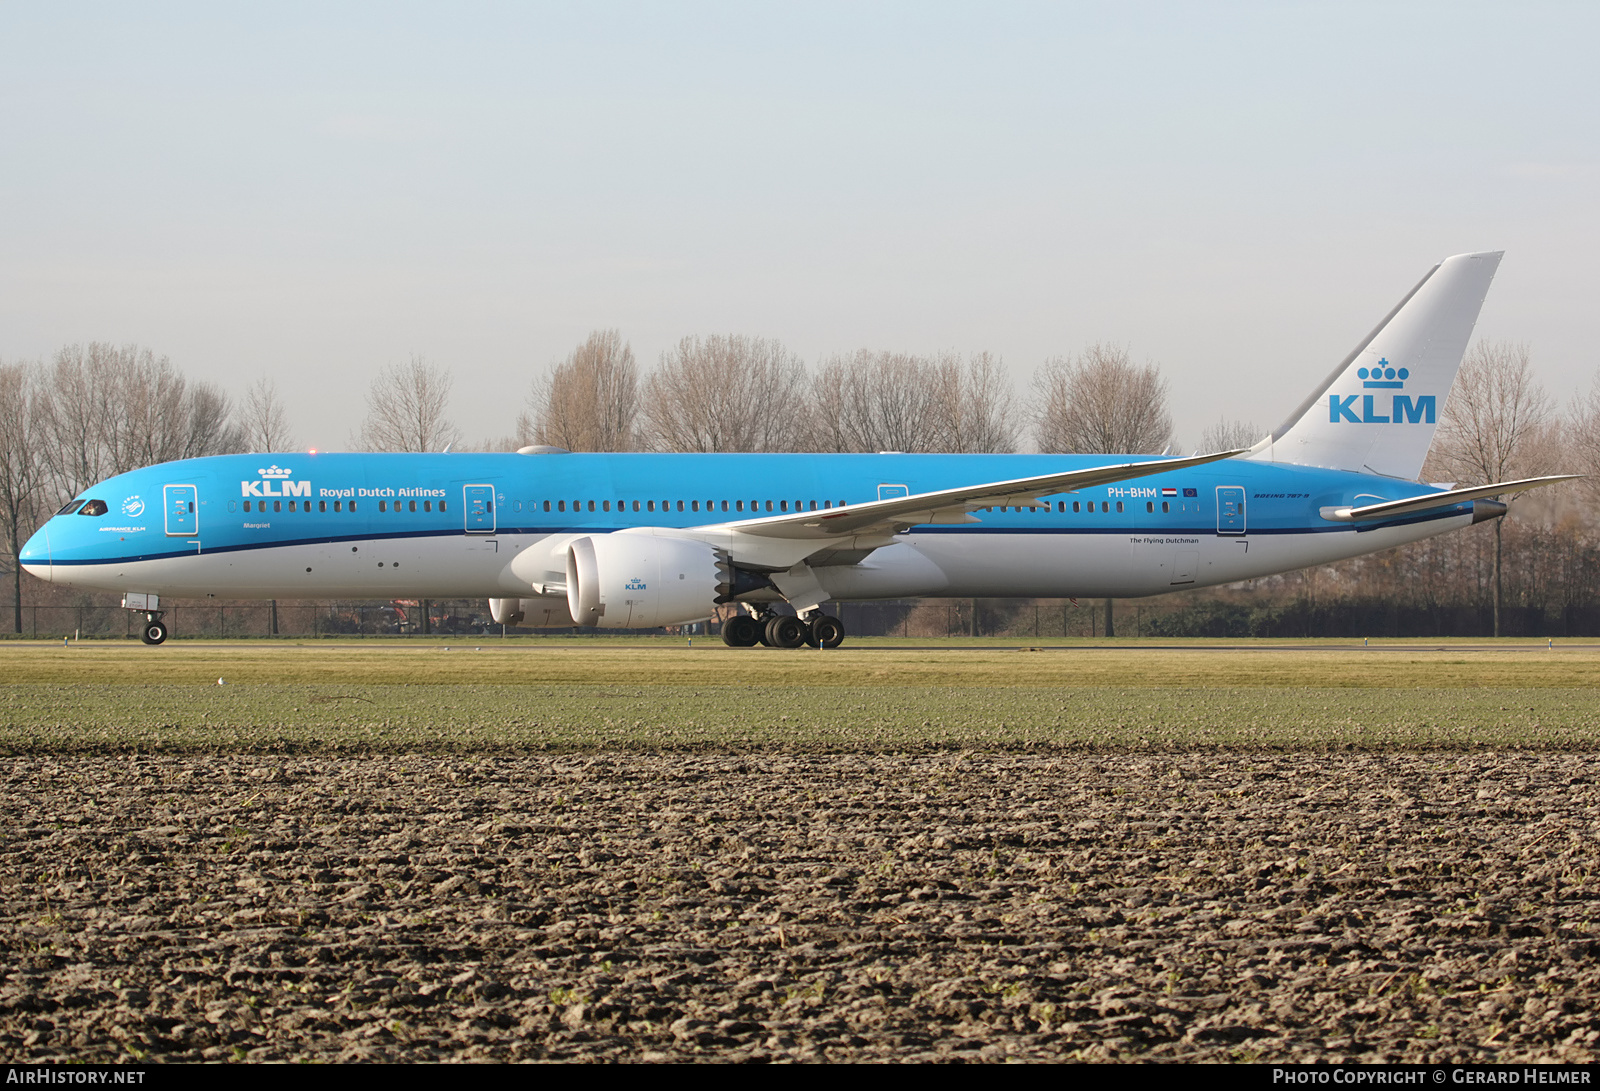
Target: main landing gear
(783, 631)
(155, 630)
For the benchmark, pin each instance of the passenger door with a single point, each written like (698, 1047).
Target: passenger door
(479, 508)
(1230, 509)
(183, 520)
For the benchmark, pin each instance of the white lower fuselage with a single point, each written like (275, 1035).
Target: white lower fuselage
(953, 563)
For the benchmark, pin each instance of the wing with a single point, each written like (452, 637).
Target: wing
(1392, 508)
(950, 505)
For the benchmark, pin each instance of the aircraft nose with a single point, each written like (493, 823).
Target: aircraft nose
(35, 555)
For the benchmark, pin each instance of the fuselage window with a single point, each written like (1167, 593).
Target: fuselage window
(783, 505)
(738, 505)
(70, 508)
(680, 505)
(813, 505)
(694, 505)
(724, 505)
(650, 505)
(769, 505)
(1149, 505)
(1165, 507)
(591, 505)
(277, 505)
(441, 505)
(353, 506)
(516, 505)
(291, 505)
(547, 505)
(561, 504)
(322, 505)
(338, 505)
(1119, 507)
(605, 505)
(1105, 505)
(413, 504)
(383, 505)
(827, 503)
(247, 505)
(636, 505)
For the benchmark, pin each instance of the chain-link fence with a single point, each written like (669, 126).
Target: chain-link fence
(928, 619)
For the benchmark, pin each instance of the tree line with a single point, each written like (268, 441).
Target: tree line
(97, 410)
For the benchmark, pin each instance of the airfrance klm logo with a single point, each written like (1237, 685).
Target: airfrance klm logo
(1403, 409)
(275, 475)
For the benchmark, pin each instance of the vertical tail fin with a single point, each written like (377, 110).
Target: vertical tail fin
(1379, 409)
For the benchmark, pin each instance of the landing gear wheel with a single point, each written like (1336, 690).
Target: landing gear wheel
(786, 631)
(741, 631)
(827, 631)
(154, 633)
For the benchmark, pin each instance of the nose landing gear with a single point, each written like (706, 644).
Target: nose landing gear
(155, 630)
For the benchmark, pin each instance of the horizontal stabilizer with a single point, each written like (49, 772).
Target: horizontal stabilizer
(951, 505)
(1389, 509)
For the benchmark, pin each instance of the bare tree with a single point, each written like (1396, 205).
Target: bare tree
(971, 413)
(1229, 435)
(886, 401)
(589, 401)
(873, 401)
(1101, 402)
(22, 468)
(1493, 428)
(263, 423)
(406, 409)
(727, 393)
(1581, 435)
(107, 410)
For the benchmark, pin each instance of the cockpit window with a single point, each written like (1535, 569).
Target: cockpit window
(94, 507)
(70, 508)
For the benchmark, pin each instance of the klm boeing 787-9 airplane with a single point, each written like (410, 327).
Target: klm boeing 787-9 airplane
(632, 541)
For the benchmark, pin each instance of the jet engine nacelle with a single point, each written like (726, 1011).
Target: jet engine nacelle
(638, 581)
(506, 611)
(545, 612)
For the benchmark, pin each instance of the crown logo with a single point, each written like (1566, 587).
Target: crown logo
(1383, 377)
(275, 471)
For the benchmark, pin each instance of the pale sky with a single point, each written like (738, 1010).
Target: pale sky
(1236, 192)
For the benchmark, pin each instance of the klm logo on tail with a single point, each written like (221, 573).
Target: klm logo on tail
(1403, 409)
